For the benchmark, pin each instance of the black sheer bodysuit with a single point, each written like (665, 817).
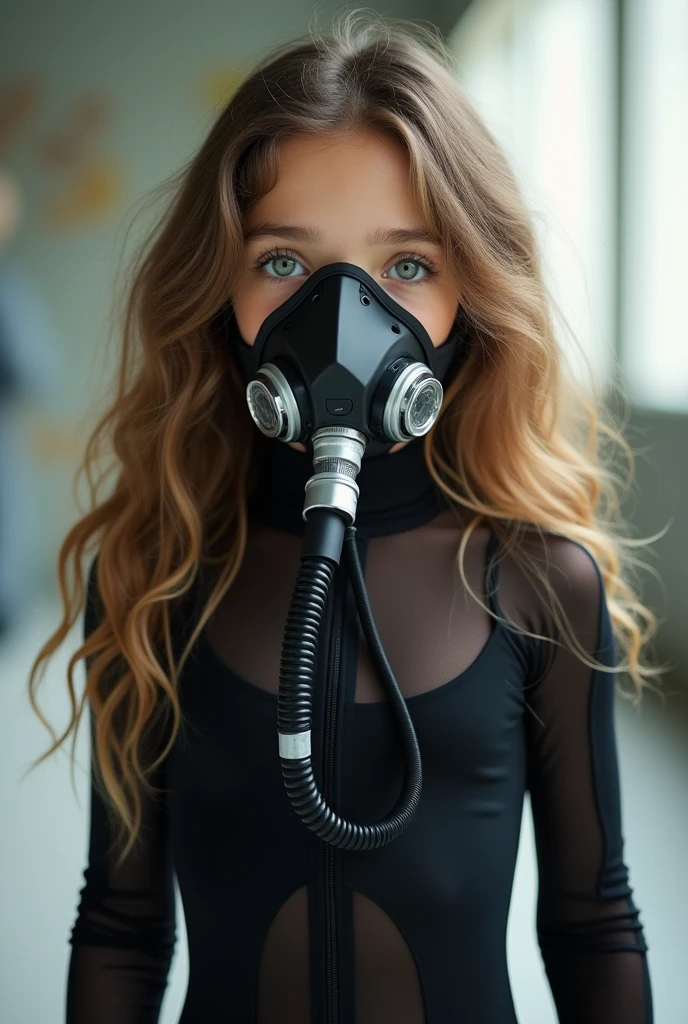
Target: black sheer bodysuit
(283, 929)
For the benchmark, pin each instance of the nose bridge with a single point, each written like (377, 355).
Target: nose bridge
(351, 250)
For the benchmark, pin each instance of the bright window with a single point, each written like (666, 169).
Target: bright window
(541, 75)
(656, 210)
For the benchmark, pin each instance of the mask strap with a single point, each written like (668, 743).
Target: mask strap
(453, 348)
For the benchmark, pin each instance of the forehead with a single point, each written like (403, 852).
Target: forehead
(333, 183)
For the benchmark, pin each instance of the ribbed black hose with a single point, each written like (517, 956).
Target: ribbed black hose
(294, 709)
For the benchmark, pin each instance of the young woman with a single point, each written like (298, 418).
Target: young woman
(492, 552)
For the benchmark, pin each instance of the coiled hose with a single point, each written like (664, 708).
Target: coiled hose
(297, 666)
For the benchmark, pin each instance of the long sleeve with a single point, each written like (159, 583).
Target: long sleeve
(588, 926)
(124, 935)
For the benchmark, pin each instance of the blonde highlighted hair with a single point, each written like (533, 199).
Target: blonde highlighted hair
(171, 463)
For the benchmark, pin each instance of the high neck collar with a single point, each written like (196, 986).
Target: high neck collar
(397, 492)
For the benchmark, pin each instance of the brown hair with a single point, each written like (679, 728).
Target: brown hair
(178, 435)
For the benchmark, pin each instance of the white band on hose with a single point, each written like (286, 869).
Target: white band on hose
(294, 745)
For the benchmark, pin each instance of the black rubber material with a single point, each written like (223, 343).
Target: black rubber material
(294, 710)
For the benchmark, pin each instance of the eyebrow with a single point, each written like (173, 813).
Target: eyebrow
(379, 236)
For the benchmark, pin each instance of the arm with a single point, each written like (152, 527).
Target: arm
(124, 935)
(588, 927)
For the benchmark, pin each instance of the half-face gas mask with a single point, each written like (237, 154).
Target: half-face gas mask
(341, 352)
(343, 368)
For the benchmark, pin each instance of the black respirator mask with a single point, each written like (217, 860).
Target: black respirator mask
(344, 368)
(341, 352)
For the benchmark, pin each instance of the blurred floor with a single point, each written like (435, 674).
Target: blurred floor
(44, 842)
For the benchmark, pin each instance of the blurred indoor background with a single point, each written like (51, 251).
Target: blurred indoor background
(99, 103)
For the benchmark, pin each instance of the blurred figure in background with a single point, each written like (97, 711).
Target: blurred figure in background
(27, 373)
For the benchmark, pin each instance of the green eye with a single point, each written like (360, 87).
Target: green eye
(410, 269)
(278, 265)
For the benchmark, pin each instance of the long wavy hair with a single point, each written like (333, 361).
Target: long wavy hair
(171, 463)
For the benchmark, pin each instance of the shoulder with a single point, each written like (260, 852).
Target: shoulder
(548, 577)
(569, 567)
